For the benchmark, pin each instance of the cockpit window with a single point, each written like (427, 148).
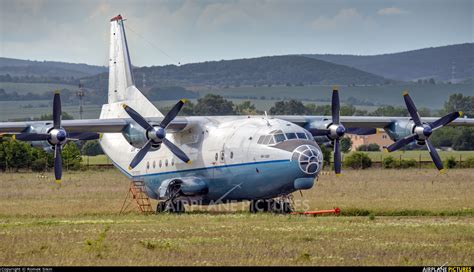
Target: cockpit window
(260, 140)
(291, 136)
(301, 135)
(279, 138)
(267, 139)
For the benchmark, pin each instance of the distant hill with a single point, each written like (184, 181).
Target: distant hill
(276, 70)
(47, 69)
(433, 62)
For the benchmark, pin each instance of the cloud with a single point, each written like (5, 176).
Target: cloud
(391, 11)
(344, 18)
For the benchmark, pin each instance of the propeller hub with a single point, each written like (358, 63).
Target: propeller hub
(58, 136)
(336, 131)
(160, 133)
(340, 131)
(427, 131)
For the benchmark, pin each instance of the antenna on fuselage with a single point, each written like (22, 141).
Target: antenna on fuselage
(266, 119)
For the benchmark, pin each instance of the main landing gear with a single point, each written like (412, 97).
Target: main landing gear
(172, 204)
(279, 205)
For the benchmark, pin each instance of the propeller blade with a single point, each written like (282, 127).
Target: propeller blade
(434, 156)
(58, 163)
(335, 106)
(361, 131)
(412, 109)
(176, 151)
(172, 113)
(337, 156)
(401, 143)
(137, 117)
(28, 137)
(443, 121)
(57, 110)
(319, 132)
(140, 155)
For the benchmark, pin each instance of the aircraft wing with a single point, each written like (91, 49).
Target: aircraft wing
(365, 121)
(90, 125)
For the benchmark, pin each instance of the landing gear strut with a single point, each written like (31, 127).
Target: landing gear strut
(172, 204)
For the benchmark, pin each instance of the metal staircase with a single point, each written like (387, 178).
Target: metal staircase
(136, 196)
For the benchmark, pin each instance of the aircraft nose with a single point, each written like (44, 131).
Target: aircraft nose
(309, 158)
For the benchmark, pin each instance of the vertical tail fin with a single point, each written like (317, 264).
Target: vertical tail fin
(121, 84)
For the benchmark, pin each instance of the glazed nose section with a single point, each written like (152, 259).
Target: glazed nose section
(309, 158)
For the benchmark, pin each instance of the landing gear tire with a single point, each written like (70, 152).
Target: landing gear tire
(174, 206)
(161, 207)
(282, 207)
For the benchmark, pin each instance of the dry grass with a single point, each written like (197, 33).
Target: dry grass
(78, 224)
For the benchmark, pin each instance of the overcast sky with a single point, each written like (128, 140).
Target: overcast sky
(168, 32)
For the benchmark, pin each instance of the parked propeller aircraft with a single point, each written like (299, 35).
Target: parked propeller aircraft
(215, 159)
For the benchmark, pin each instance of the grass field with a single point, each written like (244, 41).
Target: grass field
(78, 224)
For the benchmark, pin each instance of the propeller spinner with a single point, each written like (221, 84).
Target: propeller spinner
(422, 131)
(156, 135)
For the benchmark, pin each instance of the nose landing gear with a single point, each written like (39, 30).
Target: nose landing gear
(282, 205)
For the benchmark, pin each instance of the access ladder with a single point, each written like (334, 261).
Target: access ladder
(136, 195)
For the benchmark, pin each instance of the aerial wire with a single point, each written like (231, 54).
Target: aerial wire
(154, 45)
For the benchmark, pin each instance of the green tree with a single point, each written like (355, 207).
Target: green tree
(326, 154)
(389, 111)
(464, 140)
(17, 154)
(49, 116)
(212, 104)
(458, 102)
(71, 156)
(246, 108)
(92, 148)
(358, 160)
(346, 144)
(292, 107)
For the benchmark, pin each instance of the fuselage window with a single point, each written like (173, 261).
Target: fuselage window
(231, 155)
(166, 162)
(154, 164)
(160, 164)
(147, 165)
(172, 162)
(291, 136)
(217, 156)
(222, 155)
(301, 135)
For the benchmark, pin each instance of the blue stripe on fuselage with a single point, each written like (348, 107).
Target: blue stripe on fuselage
(196, 169)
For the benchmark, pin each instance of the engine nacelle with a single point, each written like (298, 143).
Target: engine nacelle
(323, 123)
(41, 128)
(137, 137)
(400, 129)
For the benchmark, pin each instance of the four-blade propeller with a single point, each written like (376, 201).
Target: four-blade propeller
(335, 131)
(56, 136)
(422, 131)
(156, 135)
